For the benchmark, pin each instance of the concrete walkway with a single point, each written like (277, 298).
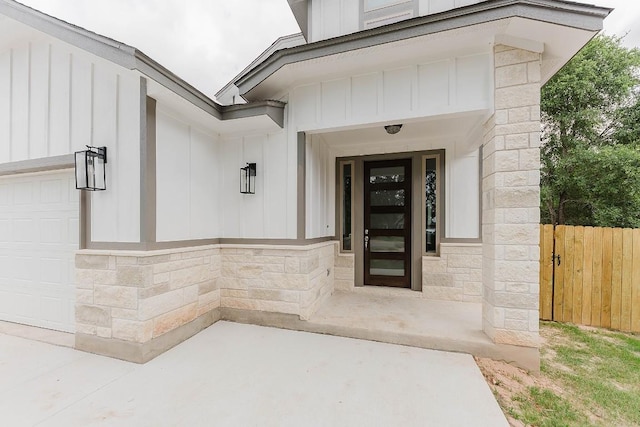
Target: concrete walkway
(243, 375)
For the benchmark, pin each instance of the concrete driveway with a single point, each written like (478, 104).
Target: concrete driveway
(242, 375)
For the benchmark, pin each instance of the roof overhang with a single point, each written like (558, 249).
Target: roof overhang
(559, 28)
(125, 56)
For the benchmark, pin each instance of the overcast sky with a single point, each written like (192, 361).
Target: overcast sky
(208, 42)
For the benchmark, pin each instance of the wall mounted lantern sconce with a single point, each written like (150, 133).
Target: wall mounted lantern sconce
(90, 169)
(248, 179)
(393, 129)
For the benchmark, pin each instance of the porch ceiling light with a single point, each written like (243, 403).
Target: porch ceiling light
(90, 166)
(248, 179)
(393, 129)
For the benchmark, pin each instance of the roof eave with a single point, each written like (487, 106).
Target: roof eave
(133, 59)
(553, 11)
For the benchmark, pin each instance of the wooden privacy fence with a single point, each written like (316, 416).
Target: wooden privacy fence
(590, 276)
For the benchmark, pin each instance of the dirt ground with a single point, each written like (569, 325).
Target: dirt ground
(508, 381)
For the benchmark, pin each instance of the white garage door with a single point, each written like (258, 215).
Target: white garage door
(38, 238)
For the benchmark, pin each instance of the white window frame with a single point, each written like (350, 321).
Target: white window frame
(389, 3)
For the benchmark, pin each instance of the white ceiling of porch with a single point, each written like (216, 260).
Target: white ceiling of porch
(464, 130)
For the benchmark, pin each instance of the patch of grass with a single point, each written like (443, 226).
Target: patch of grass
(602, 370)
(588, 377)
(544, 408)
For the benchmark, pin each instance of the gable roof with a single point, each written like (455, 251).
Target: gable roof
(133, 59)
(566, 13)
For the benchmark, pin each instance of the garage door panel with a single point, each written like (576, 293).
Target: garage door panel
(23, 193)
(51, 191)
(22, 269)
(53, 271)
(4, 195)
(24, 230)
(52, 230)
(73, 232)
(38, 239)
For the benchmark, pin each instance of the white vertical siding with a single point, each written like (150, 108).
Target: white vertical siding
(19, 78)
(60, 100)
(448, 86)
(434, 85)
(333, 18)
(54, 100)
(231, 160)
(264, 214)
(320, 222)
(462, 193)
(187, 181)
(5, 106)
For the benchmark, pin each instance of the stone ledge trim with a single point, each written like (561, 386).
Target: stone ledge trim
(144, 352)
(157, 252)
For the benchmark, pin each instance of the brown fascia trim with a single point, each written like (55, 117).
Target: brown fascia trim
(273, 109)
(134, 59)
(570, 14)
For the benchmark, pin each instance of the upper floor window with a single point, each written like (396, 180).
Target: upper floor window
(370, 5)
(376, 13)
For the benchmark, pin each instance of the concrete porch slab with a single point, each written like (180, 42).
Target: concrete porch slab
(418, 322)
(244, 375)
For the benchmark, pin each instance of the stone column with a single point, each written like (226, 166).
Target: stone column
(511, 199)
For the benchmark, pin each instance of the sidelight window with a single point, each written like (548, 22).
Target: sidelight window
(431, 203)
(346, 217)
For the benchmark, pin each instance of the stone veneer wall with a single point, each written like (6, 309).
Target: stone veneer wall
(455, 275)
(292, 280)
(345, 271)
(511, 199)
(135, 305)
(130, 299)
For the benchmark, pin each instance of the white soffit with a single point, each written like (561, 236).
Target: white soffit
(441, 129)
(184, 110)
(560, 42)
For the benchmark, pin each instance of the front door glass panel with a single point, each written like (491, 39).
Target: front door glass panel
(388, 198)
(387, 267)
(387, 244)
(386, 174)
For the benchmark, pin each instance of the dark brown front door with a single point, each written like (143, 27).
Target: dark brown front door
(387, 223)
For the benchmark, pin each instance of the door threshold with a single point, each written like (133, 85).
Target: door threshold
(387, 291)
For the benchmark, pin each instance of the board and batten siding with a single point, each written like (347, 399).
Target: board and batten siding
(320, 188)
(333, 18)
(187, 186)
(444, 87)
(263, 215)
(56, 99)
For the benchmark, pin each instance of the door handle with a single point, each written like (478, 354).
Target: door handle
(366, 242)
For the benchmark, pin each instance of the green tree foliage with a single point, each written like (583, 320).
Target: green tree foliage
(591, 138)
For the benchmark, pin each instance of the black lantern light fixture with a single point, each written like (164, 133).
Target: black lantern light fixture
(248, 179)
(90, 169)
